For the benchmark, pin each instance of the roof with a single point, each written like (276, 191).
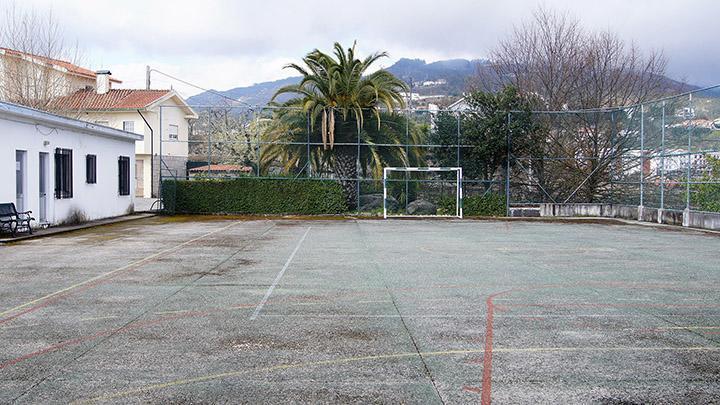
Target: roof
(115, 99)
(119, 100)
(222, 168)
(56, 63)
(32, 116)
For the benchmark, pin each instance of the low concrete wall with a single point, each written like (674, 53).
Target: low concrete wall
(692, 219)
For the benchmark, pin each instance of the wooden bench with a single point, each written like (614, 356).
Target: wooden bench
(13, 221)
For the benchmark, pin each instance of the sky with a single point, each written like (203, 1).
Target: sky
(221, 44)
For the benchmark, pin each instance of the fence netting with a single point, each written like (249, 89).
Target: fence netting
(660, 154)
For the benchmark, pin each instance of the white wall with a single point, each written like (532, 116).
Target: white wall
(94, 201)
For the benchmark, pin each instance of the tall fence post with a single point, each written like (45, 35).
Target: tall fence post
(160, 135)
(209, 146)
(613, 134)
(407, 156)
(662, 162)
(507, 168)
(689, 154)
(357, 173)
(307, 125)
(457, 158)
(257, 145)
(642, 161)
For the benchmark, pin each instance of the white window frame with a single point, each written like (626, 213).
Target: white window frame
(458, 183)
(172, 135)
(132, 125)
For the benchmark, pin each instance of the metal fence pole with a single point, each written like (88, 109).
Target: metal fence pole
(160, 135)
(689, 155)
(407, 157)
(507, 168)
(357, 172)
(307, 124)
(257, 145)
(662, 158)
(613, 134)
(642, 155)
(457, 159)
(209, 151)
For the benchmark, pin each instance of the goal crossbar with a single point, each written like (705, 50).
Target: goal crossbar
(458, 183)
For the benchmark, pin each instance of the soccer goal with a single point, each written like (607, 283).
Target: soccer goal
(423, 191)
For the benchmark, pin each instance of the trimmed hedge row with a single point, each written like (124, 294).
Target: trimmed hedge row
(253, 196)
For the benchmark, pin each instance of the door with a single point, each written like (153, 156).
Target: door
(139, 176)
(43, 181)
(20, 158)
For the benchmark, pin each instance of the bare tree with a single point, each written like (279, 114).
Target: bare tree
(36, 63)
(566, 67)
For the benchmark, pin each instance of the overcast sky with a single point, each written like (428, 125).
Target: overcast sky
(222, 44)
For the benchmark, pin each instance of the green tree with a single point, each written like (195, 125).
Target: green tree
(337, 93)
(706, 196)
(484, 127)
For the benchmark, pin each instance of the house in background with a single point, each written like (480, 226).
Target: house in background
(36, 80)
(64, 170)
(139, 111)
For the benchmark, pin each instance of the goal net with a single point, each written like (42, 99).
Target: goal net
(422, 192)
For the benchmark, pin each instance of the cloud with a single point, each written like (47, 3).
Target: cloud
(223, 44)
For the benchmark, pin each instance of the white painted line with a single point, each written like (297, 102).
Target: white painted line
(139, 262)
(279, 276)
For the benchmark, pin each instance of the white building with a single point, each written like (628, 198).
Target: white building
(138, 111)
(62, 169)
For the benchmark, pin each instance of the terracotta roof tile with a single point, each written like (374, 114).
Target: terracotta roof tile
(115, 99)
(222, 168)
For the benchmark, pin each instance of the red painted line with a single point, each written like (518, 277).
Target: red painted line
(487, 354)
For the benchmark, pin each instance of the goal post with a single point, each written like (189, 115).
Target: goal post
(429, 170)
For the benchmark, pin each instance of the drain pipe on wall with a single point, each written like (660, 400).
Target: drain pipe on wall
(152, 154)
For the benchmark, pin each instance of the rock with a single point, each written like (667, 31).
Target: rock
(421, 207)
(370, 202)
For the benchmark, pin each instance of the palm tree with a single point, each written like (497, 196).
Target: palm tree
(335, 90)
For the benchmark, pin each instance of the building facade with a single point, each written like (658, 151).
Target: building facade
(64, 170)
(139, 111)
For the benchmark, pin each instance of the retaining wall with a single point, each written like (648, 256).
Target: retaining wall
(687, 218)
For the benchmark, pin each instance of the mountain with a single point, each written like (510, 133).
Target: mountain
(440, 82)
(441, 78)
(257, 94)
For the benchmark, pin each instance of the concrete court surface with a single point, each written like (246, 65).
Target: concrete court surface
(222, 310)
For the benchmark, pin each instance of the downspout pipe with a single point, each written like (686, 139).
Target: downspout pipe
(152, 154)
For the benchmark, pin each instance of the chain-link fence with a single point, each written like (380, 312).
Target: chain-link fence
(659, 154)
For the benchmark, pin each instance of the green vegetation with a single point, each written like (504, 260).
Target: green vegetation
(337, 92)
(488, 205)
(254, 196)
(706, 197)
(485, 127)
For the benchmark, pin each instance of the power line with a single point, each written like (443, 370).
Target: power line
(199, 87)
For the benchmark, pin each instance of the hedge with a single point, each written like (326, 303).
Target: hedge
(488, 205)
(253, 196)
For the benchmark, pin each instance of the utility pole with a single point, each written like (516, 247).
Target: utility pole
(147, 77)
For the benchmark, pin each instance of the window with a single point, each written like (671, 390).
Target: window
(91, 169)
(173, 131)
(129, 126)
(63, 173)
(124, 175)
(104, 123)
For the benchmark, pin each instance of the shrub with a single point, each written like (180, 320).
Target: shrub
(478, 205)
(706, 196)
(253, 196)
